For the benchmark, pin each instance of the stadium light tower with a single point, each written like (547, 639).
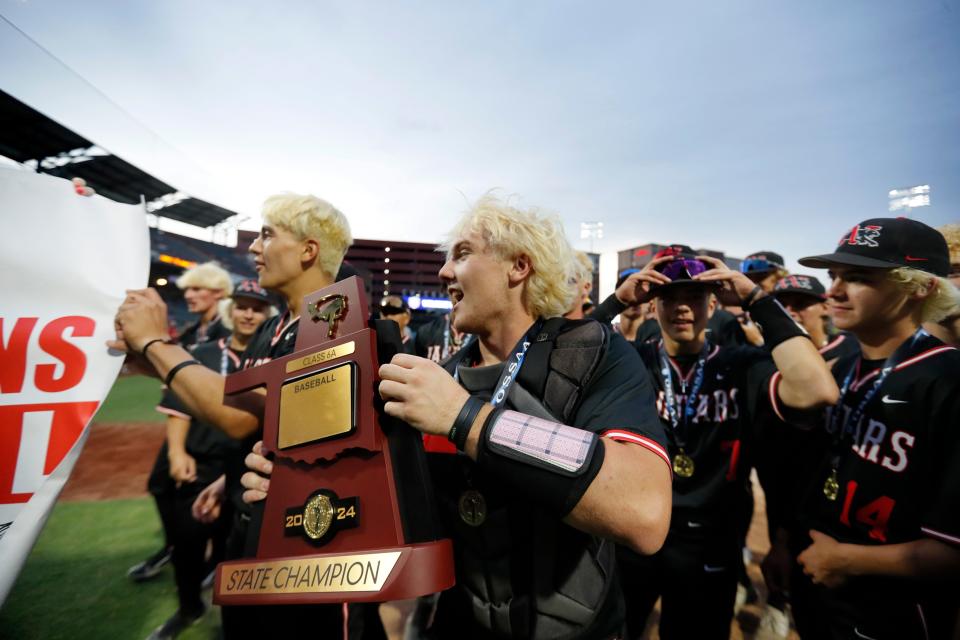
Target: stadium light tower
(909, 198)
(592, 230)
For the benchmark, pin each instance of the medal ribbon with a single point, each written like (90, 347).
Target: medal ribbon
(226, 355)
(891, 363)
(670, 398)
(511, 368)
(853, 419)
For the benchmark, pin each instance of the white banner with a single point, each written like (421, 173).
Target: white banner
(66, 262)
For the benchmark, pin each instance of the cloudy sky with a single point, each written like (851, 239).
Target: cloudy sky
(737, 125)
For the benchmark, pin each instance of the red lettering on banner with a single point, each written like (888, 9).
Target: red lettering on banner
(69, 419)
(13, 355)
(73, 359)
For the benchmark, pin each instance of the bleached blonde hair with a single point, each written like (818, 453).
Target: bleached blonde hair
(943, 302)
(208, 275)
(510, 232)
(311, 218)
(584, 266)
(951, 233)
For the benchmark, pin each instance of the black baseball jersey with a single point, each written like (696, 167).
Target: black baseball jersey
(204, 439)
(649, 330)
(839, 346)
(275, 338)
(738, 392)
(724, 329)
(191, 338)
(197, 334)
(897, 480)
(437, 340)
(898, 472)
(783, 456)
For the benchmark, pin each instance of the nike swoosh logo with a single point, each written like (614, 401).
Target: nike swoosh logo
(888, 400)
(710, 569)
(693, 525)
(912, 259)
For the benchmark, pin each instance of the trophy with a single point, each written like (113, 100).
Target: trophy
(350, 516)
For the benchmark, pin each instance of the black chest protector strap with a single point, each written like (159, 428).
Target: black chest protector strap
(560, 363)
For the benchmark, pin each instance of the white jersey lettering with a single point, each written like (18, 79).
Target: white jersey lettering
(898, 441)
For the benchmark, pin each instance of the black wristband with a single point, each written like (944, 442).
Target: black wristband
(774, 321)
(461, 426)
(746, 302)
(176, 370)
(150, 343)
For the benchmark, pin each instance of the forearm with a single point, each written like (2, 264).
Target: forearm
(628, 500)
(177, 429)
(201, 390)
(924, 558)
(806, 379)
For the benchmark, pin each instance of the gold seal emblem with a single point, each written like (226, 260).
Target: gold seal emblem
(317, 516)
(683, 465)
(473, 507)
(831, 487)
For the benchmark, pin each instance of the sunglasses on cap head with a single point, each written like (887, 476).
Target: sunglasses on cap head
(756, 265)
(682, 268)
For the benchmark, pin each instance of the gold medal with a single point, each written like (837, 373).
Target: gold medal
(317, 516)
(683, 465)
(473, 507)
(831, 487)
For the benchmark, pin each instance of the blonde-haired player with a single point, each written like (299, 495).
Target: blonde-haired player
(302, 241)
(880, 545)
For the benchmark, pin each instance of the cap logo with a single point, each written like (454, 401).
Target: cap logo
(863, 236)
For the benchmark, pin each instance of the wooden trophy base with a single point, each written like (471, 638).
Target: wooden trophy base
(374, 575)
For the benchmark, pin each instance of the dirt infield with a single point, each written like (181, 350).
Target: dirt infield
(115, 462)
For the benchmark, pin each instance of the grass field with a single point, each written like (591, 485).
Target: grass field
(132, 399)
(74, 584)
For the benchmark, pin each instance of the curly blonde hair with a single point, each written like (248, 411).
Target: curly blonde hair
(208, 275)
(951, 233)
(511, 232)
(309, 217)
(943, 301)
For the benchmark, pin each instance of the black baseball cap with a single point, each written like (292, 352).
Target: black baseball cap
(887, 243)
(251, 289)
(805, 285)
(762, 262)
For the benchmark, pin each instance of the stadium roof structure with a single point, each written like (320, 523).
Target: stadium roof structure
(29, 137)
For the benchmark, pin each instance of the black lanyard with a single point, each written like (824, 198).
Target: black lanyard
(678, 424)
(511, 368)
